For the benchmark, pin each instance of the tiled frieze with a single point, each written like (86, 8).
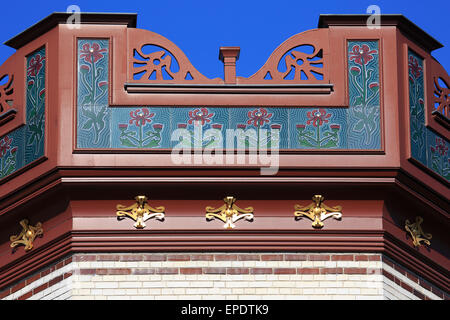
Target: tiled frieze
(100, 126)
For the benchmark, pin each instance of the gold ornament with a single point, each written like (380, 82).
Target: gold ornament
(140, 212)
(229, 213)
(318, 211)
(417, 233)
(27, 235)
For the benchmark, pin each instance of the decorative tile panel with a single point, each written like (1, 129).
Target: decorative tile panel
(26, 144)
(437, 154)
(260, 124)
(140, 128)
(416, 107)
(93, 114)
(318, 128)
(364, 95)
(11, 152)
(210, 123)
(35, 106)
(427, 147)
(292, 128)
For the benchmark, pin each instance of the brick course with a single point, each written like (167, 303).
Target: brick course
(197, 275)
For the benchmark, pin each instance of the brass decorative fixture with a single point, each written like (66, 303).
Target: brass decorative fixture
(417, 233)
(27, 235)
(140, 212)
(318, 211)
(229, 213)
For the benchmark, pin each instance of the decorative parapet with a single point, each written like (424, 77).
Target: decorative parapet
(12, 115)
(7, 110)
(438, 106)
(157, 66)
(104, 126)
(153, 59)
(301, 59)
(320, 91)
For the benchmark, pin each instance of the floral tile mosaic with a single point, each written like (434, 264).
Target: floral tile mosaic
(363, 119)
(140, 128)
(427, 147)
(26, 144)
(318, 128)
(93, 116)
(12, 152)
(150, 127)
(437, 154)
(102, 127)
(417, 108)
(257, 118)
(199, 127)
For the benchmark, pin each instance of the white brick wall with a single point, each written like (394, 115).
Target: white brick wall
(396, 292)
(60, 291)
(94, 286)
(219, 286)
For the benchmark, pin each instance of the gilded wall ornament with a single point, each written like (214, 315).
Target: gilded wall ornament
(27, 235)
(229, 213)
(140, 212)
(318, 211)
(416, 232)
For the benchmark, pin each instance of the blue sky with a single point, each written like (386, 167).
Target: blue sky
(200, 27)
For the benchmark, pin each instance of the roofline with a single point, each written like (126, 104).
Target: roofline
(56, 18)
(411, 30)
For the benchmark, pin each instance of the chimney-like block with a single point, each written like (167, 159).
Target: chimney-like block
(229, 56)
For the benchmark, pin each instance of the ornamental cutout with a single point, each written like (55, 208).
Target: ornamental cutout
(301, 59)
(6, 101)
(300, 65)
(155, 59)
(158, 65)
(442, 100)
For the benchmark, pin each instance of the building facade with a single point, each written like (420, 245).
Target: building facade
(127, 174)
